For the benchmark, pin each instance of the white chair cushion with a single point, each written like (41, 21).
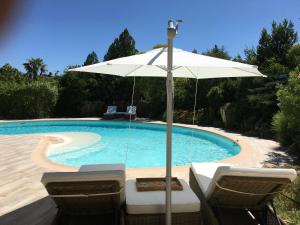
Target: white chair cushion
(206, 179)
(102, 167)
(204, 173)
(153, 202)
(101, 172)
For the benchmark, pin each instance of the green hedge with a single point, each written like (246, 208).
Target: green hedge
(34, 99)
(286, 122)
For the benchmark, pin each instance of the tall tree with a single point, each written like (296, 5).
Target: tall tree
(238, 58)
(118, 90)
(264, 49)
(35, 67)
(217, 52)
(250, 56)
(122, 46)
(92, 58)
(293, 56)
(276, 45)
(283, 38)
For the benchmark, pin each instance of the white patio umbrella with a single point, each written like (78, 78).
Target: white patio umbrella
(168, 62)
(153, 63)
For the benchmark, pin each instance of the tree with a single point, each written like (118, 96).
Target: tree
(217, 52)
(122, 46)
(35, 67)
(92, 58)
(7, 72)
(250, 56)
(120, 88)
(293, 56)
(283, 38)
(195, 51)
(264, 49)
(238, 58)
(276, 45)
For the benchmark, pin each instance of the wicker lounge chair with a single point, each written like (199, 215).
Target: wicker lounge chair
(226, 192)
(110, 112)
(94, 190)
(148, 208)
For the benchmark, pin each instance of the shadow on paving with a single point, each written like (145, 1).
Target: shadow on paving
(282, 157)
(44, 212)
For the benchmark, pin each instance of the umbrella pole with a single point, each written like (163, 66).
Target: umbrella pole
(169, 86)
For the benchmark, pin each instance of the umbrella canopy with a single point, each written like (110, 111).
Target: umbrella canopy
(185, 64)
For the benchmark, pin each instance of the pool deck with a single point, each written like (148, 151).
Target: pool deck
(23, 199)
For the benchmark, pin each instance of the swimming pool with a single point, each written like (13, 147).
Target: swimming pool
(140, 146)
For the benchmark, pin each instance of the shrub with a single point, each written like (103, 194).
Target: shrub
(280, 125)
(35, 99)
(286, 123)
(186, 117)
(288, 210)
(215, 98)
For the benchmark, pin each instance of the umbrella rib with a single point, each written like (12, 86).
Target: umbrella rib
(134, 70)
(162, 67)
(165, 69)
(175, 68)
(156, 56)
(248, 71)
(191, 72)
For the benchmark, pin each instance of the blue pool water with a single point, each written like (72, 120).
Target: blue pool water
(141, 146)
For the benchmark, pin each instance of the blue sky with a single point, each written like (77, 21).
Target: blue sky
(64, 32)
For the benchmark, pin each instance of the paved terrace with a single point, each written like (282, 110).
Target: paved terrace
(23, 199)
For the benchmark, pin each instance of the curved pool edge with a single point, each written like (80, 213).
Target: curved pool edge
(39, 155)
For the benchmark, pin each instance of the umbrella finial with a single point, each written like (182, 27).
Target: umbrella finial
(173, 27)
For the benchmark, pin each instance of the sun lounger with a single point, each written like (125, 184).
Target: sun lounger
(130, 112)
(95, 189)
(223, 186)
(148, 207)
(110, 112)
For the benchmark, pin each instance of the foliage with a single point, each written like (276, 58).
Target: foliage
(247, 105)
(9, 73)
(76, 90)
(250, 56)
(293, 56)
(87, 94)
(159, 46)
(238, 58)
(122, 46)
(287, 122)
(92, 58)
(35, 67)
(217, 52)
(288, 210)
(280, 126)
(35, 99)
(277, 44)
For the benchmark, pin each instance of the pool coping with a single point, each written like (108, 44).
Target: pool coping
(39, 154)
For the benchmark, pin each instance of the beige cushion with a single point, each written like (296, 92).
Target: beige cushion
(208, 173)
(100, 172)
(153, 202)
